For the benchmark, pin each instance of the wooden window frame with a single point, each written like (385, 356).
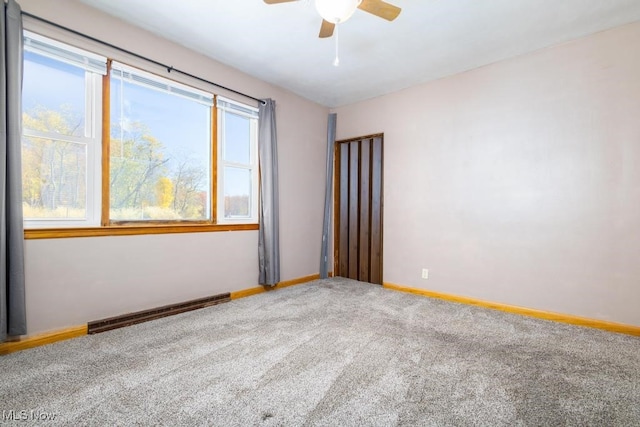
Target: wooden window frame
(109, 227)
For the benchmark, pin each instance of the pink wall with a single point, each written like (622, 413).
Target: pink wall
(72, 281)
(518, 182)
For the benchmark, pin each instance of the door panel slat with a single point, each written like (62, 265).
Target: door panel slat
(365, 201)
(354, 207)
(376, 211)
(343, 215)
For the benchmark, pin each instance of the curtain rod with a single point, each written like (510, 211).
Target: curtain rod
(169, 68)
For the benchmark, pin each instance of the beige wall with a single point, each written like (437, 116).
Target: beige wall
(518, 182)
(72, 281)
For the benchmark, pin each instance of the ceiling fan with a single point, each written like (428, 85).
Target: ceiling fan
(338, 11)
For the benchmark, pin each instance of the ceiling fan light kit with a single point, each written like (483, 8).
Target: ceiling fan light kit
(337, 11)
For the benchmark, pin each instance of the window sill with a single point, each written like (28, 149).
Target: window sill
(132, 230)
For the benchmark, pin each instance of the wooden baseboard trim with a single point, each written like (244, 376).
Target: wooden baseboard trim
(260, 289)
(121, 321)
(94, 327)
(26, 342)
(557, 317)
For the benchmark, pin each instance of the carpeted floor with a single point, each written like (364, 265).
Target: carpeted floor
(333, 353)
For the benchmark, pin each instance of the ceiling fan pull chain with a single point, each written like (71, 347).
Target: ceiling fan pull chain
(336, 62)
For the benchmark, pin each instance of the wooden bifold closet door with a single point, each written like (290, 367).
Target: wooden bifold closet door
(358, 209)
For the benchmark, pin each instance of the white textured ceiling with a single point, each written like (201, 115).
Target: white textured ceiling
(429, 40)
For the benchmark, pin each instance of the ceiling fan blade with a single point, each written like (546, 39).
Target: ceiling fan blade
(380, 8)
(278, 1)
(326, 30)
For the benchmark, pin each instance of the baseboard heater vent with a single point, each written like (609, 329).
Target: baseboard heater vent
(116, 322)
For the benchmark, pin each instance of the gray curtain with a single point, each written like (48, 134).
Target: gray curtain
(269, 234)
(326, 224)
(12, 305)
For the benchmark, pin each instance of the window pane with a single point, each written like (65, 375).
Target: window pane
(48, 107)
(160, 165)
(237, 190)
(54, 179)
(237, 144)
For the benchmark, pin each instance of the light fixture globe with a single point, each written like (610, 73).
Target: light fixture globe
(337, 11)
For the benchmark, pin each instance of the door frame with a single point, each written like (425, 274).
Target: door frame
(336, 200)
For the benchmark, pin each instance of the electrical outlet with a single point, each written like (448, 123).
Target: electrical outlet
(425, 273)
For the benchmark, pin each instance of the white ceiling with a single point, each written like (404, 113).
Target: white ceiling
(429, 40)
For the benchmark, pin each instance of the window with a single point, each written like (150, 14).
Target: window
(61, 134)
(238, 182)
(160, 154)
(166, 163)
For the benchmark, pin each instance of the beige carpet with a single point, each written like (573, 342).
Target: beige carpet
(331, 353)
